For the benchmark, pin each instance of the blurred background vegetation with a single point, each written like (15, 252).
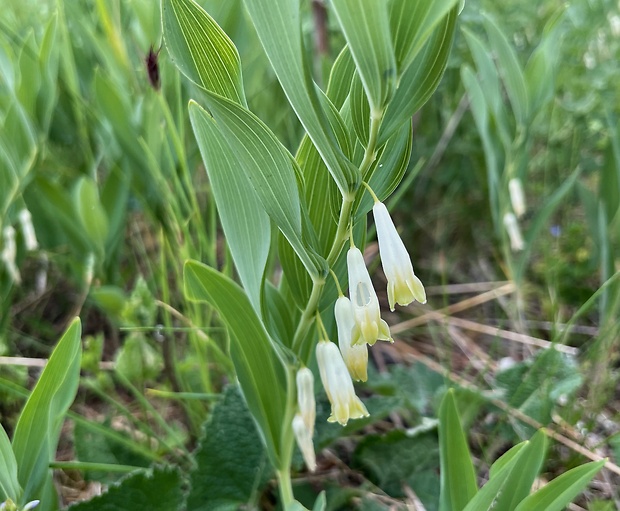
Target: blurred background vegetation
(106, 168)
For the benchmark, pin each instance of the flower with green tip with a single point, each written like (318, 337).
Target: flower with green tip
(368, 323)
(355, 357)
(403, 285)
(338, 384)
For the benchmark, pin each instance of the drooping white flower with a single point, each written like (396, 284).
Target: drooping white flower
(30, 237)
(31, 505)
(305, 398)
(338, 384)
(368, 323)
(303, 436)
(403, 285)
(9, 253)
(517, 196)
(355, 357)
(514, 232)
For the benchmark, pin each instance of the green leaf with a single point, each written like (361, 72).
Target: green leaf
(490, 83)
(340, 77)
(270, 169)
(259, 369)
(556, 495)
(510, 69)
(418, 460)
(388, 169)
(458, 478)
(231, 462)
(9, 486)
(245, 223)
(277, 24)
(366, 27)
(158, 489)
(38, 428)
(498, 484)
(411, 24)
(201, 49)
(90, 211)
(521, 480)
(421, 78)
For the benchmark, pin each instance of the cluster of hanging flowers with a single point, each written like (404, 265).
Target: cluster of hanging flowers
(359, 324)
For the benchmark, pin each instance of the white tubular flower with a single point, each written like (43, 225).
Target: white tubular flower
(355, 357)
(303, 436)
(403, 285)
(9, 252)
(514, 233)
(305, 398)
(368, 323)
(517, 196)
(31, 505)
(338, 384)
(30, 237)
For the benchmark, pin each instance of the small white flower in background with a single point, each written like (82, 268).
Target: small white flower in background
(305, 398)
(368, 323)
(614, 23)
(514, 233)
(9, 252)
(517, 196)
(30, 237)
(31, 505)
(338, 384)
(355, 357)
(303, 436)
(403, 285)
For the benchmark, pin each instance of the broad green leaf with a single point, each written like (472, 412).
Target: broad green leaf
(458, 478)
(38, 428)
(270, 169)
(277, 24)
(521, 480)
(388, 169)
(556, 495)
(201, 49)
(340, 77)
(9, 486)
(411, 24)
(498, 484)
(158, 489)
(421, 78)
(244, 221)
(259, 369)
(30, 75)
(231, 461)
(366, 27)
(278, 315)
(510, 69)
(90, 211)
(360, 110)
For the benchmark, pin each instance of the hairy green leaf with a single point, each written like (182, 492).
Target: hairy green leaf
(231, 461)
(158, 489)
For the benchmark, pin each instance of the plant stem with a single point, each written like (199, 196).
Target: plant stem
(286, 489)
